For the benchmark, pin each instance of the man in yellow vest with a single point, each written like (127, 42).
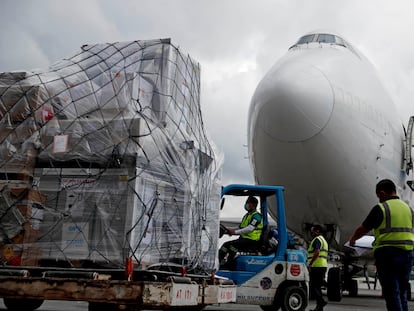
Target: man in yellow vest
(392, 222)
(317, 265)
(250, 230)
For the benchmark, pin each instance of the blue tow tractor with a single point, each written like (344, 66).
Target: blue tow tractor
(273, 276)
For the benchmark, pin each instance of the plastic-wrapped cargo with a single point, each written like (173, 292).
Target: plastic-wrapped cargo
(104, 156)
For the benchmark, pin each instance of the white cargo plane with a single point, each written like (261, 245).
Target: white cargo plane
(322, 125)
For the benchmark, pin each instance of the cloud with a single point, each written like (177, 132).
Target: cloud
(25, 54)
(235, 42)
(39, 33)
(225, 103)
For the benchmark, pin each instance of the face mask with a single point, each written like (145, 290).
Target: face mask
(246, 207)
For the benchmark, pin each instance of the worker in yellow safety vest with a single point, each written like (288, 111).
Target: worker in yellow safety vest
(317, 265)
(250, 230)
(392, 222)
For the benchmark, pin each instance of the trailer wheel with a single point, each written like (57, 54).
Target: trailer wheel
(353, 288)
(293, 299)
(334, 290)
(22, 304)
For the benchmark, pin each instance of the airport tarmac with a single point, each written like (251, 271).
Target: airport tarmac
(369, 300)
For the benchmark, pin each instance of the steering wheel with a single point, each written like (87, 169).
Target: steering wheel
(223, 230)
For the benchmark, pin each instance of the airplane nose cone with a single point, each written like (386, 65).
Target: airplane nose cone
(295, 102)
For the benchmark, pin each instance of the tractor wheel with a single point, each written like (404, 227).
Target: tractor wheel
(293, 298)
(334, 290)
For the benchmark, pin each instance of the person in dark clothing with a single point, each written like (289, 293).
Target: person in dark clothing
(250, 230)
(392, 222)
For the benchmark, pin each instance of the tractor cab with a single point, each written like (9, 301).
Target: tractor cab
(274, 274)
(272, 234)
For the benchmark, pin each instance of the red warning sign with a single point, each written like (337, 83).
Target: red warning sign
(295, 269)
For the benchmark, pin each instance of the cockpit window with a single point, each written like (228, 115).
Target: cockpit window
(324, 38)
(321, 38)
(340, 41)
(306, 39)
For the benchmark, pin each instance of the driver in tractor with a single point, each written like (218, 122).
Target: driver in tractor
(250, 231)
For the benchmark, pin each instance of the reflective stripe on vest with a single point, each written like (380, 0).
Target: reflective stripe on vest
(322, 260)
(256, 233)
(396, 228)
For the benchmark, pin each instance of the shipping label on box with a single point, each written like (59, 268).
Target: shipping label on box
(60, 143)
(75, 239)
(24, 194)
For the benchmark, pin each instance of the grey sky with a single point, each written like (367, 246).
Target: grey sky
(234, 41)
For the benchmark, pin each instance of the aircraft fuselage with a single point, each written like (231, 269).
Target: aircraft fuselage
(322, 125)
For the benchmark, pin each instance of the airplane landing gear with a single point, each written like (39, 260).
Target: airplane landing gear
(353, 288)
(341, 279)
(334, 290)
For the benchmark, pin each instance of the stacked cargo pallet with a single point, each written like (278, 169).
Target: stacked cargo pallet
(103, 157)
(21, 206)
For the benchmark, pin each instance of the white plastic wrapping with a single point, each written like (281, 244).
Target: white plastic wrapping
(104, 156)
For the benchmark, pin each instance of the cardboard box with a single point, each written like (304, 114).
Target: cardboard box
(30, 205)
(12, 253)
(22, 162)
(31, 251)
(29, 195)
(20, 102)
